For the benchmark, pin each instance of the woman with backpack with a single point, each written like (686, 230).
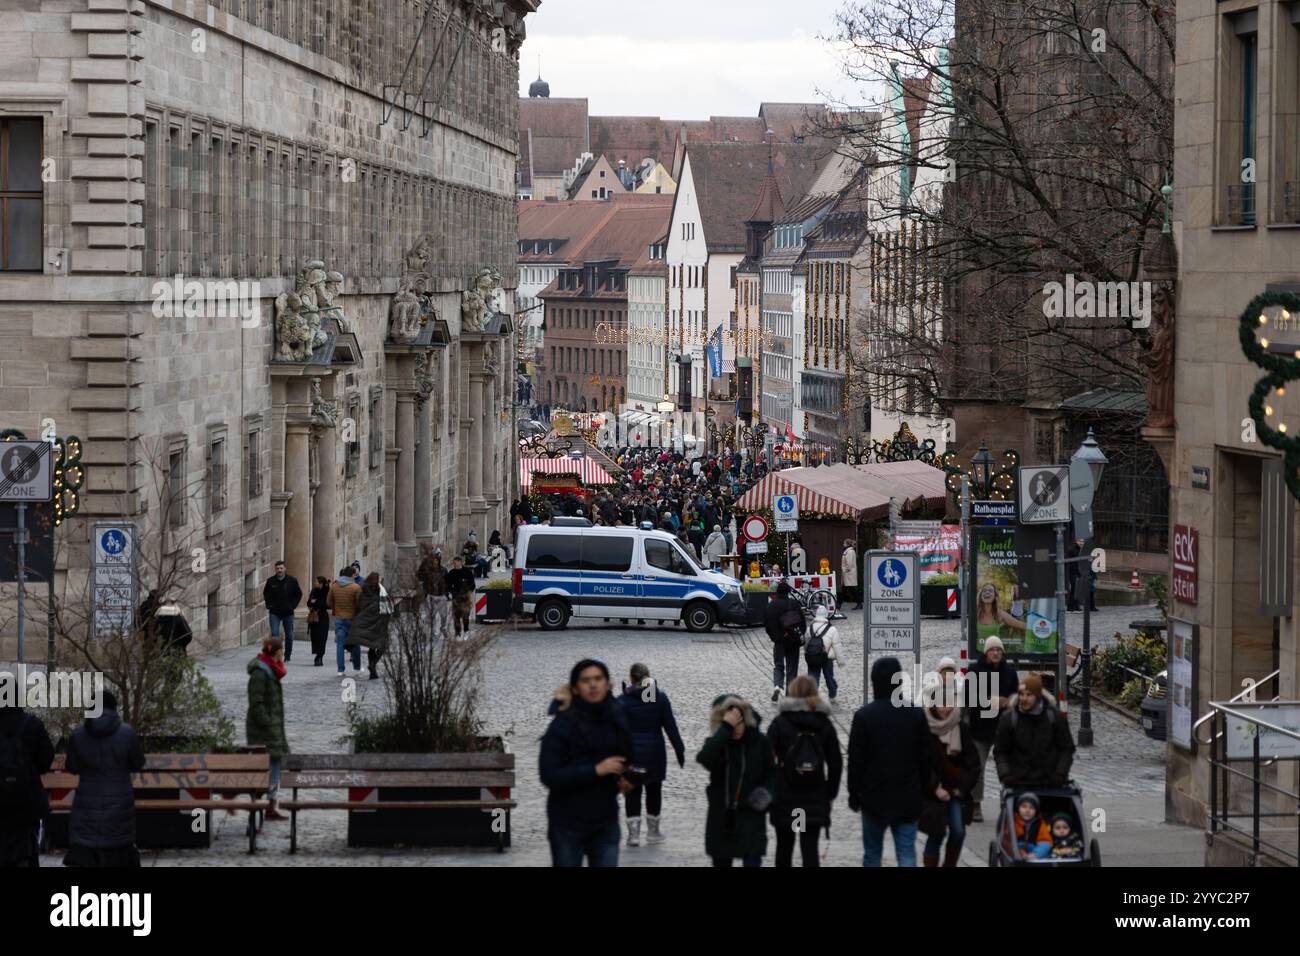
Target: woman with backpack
(785, 625)
(808, 768)
(822, 651)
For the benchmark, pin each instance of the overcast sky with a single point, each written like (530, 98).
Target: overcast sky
(685, 59)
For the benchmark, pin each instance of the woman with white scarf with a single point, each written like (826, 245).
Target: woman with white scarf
(955, 766)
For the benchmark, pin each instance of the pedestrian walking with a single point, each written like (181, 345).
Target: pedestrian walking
(822, 651)
(992, 684)
(949, 802)
(715, 547)
(889, 763)
(172, 630)
(742, 775)
(785, 625)
(1033, 746)
(342, 603)
(584, 753)
(264, 722)
(849, 574)
(318, 619)
(103, 753)
(808, 769)
(370, 626)
(461, 585)
(282, 595)
(433, 579)
(25, 754)
(649, 718)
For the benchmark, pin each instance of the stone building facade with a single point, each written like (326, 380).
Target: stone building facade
(353, 400)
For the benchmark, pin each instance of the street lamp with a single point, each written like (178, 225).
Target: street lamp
(982, 466)
(1086, 466)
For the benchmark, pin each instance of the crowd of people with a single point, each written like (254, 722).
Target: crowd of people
(911, 769)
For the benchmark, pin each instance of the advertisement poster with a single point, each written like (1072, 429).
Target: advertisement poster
(1026, 623)
(936, 553)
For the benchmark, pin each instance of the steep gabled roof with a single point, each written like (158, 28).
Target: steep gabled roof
(769, 206)
(559, 132)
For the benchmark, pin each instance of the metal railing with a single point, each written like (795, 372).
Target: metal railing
(1262, 832)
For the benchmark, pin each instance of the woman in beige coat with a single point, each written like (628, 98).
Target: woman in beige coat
(849, 573)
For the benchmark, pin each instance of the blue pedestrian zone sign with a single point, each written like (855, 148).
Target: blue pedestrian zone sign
(113, 542)
(891, 573)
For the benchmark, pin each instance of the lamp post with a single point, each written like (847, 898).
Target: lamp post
(981, 468)
(1086, 466)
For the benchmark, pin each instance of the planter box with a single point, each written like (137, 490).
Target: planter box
(154, 829)
(934, 600)
(499, 604)
(756, 606)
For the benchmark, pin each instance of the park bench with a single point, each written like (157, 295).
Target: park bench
(361, 775)
(206, 781)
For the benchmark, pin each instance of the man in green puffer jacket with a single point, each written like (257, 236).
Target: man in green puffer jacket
(264, 725)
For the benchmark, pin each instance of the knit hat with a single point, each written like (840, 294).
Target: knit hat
(992, 642)
(1027, 798)
(1033, 683)
(947, 664)
(1062, 816)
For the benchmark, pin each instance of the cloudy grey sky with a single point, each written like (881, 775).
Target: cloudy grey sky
(685, 59)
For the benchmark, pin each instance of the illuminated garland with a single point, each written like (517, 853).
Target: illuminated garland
(1002, 478)
(69, 473)
(1281, 369)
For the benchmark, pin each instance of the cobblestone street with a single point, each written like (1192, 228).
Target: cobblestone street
(1122, 774)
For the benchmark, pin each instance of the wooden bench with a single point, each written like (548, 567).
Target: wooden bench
(493, 771)
(203, 776)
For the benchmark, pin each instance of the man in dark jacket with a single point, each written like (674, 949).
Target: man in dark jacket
(1033, 747)
(584, 753)
(809, 767)
(779, 620)
(104, 753)
(282, 595)
(992, 684)
(25, 754)
(461, 585)
(649, 717)
(889, 763)
(433, 579)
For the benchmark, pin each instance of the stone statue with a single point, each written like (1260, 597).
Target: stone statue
(478, 304)
(326, 293)
(323, 413)
(1158, 358)
(417, 260)
(412, 305)
(298, 314)
(490, 359)
(425, 380)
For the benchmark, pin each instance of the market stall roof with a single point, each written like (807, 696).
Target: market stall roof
(858, 492)
(589, 472)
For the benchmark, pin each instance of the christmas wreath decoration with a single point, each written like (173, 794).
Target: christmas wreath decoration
(1254, 328)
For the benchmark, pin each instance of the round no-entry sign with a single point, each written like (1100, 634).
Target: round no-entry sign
(754, 528)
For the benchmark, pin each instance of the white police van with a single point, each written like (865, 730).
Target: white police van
(570, 568)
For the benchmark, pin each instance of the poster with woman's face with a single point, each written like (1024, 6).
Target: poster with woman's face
(1025, 624)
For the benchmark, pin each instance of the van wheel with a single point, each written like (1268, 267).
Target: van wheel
(552, 614)
(699, 618)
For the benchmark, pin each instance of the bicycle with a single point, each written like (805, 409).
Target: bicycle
(810, 599)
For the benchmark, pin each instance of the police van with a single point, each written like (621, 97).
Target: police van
(570, 568)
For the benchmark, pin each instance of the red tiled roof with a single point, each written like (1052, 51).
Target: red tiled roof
(559, 131)
(769, 206)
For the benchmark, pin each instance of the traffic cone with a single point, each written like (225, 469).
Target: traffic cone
(1135, 582)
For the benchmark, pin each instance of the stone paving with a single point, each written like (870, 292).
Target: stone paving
(1122, 773)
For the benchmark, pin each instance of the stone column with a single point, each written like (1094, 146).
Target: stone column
(297, 541)
(476, 438)
(404, 486)
(423, 473)
(324, 512)
(490, 436)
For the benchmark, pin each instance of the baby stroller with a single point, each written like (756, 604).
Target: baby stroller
(1003, 850)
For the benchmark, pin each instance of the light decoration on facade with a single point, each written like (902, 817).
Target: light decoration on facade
(1280, 313)
(69, 473)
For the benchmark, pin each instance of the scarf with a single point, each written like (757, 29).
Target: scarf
(277, 667)
(948, 730)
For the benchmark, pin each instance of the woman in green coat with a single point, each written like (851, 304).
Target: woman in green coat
(742, 774)
(264, 725)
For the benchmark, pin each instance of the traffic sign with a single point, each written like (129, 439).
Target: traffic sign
(892, 623)
(993, 509)
(754, 528)
(785, 506)
(26, 471)
(114, 585)
(892, 577)
(1045, 495)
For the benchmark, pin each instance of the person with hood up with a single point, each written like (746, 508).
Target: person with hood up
(649, 717)
(370, 626)
(264, 722)
(742, 776)
(955, 765)
(104, 752)
(889, 763)
(808, 769)
(342, 603)
(995, 677)
(822, 651)
(25, 754)
(1033, 747)
(584, 755)
(715, 547)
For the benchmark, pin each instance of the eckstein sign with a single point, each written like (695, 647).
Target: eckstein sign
(1183, 582)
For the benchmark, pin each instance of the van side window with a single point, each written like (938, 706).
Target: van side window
(604, 553)
(554, 551)
(658, 554)
(682, 563)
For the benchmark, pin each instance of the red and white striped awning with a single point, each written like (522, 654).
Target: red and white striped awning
(589, 472)
(856, 492)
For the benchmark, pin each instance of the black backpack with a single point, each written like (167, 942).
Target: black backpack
(804, 764)
(792, 625)
(815, 651)
(16, 775)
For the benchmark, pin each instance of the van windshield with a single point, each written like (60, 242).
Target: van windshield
(667, 556)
